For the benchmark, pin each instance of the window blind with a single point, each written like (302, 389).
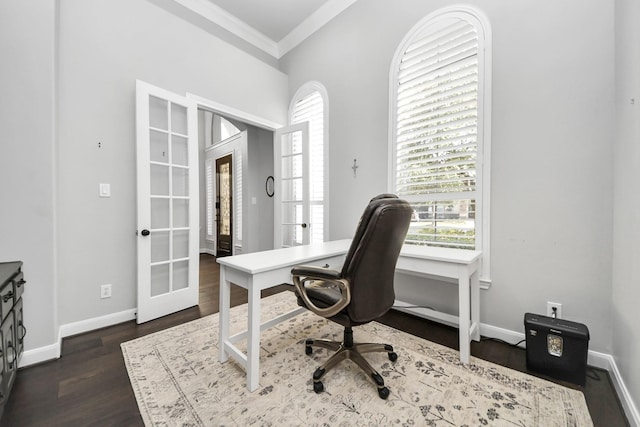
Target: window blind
(209, 177)
(237, 174)
(436, 133)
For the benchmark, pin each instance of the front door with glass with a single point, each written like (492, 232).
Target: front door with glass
(224, 205)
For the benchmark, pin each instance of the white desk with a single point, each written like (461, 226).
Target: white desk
(261, 270)
(458, 264)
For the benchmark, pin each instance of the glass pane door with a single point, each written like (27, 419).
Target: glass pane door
(292, 174)
(169, 196)
(167, 217)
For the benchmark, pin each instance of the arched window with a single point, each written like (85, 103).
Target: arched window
(309, 104)
(440, 129)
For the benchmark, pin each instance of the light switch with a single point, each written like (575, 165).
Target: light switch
(253, 201)
(105, 190)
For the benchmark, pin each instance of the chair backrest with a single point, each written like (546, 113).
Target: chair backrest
(371, 260)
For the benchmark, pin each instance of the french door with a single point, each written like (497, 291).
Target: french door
(167, 202)
(291, 173)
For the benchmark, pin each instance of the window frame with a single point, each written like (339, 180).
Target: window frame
(303, 91)
(483, 157)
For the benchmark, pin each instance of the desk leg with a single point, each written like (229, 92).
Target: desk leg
(225, 306)
(253, 338)
(464, 303)
(475, 305)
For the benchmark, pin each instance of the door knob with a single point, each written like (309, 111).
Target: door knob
(145, 232)
(304, 225)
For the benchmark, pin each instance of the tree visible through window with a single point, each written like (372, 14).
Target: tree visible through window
(438, 127)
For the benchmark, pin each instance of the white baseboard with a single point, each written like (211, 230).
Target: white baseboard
(630, 408)
(96, 323)
(52, 351)
(40, 354)
(207, 251)
(501, 334)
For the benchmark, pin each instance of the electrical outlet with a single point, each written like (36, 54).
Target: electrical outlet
(105, 291)
(558, 309)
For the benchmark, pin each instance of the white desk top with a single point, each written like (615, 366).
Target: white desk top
(258, 262)
(458, 256)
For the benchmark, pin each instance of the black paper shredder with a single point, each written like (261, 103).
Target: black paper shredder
(557, 347)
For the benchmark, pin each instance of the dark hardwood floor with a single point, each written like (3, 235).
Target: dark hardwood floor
(89, 386)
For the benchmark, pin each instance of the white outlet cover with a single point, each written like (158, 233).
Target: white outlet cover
(105, 190)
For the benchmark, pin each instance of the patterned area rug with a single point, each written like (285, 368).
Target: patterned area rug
(178, 381)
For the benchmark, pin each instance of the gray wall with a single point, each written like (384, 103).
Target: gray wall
(27, 153)
(105, 46)
(626, 228)
(259, 229)
(553, 121)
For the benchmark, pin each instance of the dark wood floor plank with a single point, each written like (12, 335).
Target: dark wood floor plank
(89, 385)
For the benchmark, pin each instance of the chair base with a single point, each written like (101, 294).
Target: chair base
(349, 350)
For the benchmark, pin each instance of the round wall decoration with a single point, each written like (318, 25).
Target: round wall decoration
(269, 186)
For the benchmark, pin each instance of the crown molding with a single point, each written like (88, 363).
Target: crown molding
(229, 22)
(221, 17)
(313, 23)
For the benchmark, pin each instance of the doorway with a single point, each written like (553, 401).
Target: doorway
(243, 221)
(224, 205)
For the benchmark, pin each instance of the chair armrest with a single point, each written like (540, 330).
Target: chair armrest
(321, 273)
(307, 273)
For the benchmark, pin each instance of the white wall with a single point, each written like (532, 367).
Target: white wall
(553, 120)
(626, 228)
(27, 150)
(105, 45)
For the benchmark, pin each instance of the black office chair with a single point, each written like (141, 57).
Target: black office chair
(362, 291)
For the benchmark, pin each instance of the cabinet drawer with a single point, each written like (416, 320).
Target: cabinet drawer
(10, 352)
(20, 331)
(6, 299)
(3, 391)
(18, 285)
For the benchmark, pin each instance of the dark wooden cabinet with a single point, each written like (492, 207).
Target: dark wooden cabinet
(12, 330)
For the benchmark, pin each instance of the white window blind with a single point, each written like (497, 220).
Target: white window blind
(436, 133)
(311, 109)
(237, 176)
(210, 182)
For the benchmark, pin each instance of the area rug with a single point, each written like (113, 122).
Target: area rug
(178, 381)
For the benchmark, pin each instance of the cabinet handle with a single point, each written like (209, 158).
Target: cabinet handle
(6, 297)
(24, 331)
(13, 353)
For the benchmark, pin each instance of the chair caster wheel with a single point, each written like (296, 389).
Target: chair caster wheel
(308, 350)
(318, 387)
(392, 356)
(383, 392)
